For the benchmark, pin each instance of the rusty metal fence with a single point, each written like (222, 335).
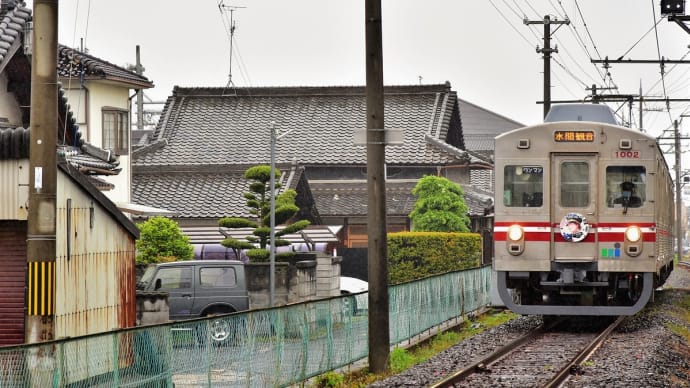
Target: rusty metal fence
(258, 348)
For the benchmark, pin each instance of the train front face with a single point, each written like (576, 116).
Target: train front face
(576, 227)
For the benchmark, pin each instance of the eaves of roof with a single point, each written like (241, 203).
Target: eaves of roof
(11, 32)
(209, 191)
(74, 64)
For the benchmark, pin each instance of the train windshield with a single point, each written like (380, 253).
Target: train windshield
(626, 185)
(523, 186)
(574, 184)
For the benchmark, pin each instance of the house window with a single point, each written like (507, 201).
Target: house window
(116, 130)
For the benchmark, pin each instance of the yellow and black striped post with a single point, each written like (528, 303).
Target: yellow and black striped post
(41, 288)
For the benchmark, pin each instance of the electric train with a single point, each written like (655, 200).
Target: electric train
(584, 215)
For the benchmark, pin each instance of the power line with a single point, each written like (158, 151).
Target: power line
(661, 66)
(509, 23)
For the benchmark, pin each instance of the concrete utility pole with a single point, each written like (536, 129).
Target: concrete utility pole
(547, 50)
(40, 241)
(379, 336)
(679, 227)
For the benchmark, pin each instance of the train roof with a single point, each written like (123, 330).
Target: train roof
(598, 113)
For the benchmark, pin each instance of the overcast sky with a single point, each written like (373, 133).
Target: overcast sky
(482, 48)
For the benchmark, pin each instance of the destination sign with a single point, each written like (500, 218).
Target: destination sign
(573, 136)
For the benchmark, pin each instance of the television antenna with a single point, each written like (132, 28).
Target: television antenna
(227, 13)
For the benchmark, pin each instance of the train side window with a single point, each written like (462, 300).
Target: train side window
(523, 186)
(626, 182)
(574, 184)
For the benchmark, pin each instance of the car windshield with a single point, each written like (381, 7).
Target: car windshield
(143, 283)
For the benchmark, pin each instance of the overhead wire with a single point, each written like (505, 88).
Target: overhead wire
(571, 66)
(661, 67)
(509, 23)
(522, 17)
(584, 45)
(653, 28)
(71, 64)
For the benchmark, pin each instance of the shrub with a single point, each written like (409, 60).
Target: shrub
(161, 240)
(415, 255)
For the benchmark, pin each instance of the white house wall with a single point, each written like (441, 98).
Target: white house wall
(96, 95)
(77, 97)
(14, 190)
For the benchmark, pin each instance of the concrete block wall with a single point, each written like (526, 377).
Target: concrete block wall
(327, 276)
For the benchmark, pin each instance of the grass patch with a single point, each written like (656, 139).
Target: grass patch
(402, 359)
(684, 314)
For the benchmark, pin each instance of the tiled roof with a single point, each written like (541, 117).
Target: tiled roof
(200, 193)
(351, 198)
(75, 64)
(207, 126)
(12, 23)
(483, 179)
(480, 126)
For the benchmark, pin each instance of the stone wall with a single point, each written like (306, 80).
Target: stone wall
(308, 276)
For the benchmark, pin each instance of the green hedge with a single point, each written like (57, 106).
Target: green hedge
(415, 255)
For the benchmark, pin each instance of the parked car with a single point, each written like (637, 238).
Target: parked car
(200, 288)
(358, 304)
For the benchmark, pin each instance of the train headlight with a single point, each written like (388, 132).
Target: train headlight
(515, 233)
(633, 234)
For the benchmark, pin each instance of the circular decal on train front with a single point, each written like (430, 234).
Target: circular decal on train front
(574, 227)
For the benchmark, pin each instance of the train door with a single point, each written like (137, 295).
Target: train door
(574, 206)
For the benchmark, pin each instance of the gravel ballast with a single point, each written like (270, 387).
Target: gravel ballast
(645, 351)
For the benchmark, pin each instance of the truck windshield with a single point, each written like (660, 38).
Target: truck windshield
(143, 283)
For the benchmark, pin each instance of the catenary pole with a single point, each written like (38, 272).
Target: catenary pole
(379, 337)
(679, 203)
(547, 50)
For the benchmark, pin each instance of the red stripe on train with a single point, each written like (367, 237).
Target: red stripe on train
(546, 237)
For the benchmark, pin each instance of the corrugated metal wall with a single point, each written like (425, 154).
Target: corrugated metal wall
(94, 269)
(12, 281)
(14, 190)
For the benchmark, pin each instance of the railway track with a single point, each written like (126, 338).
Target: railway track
(542, 358)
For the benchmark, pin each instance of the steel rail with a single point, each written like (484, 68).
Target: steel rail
(564, 373)
(482, 363)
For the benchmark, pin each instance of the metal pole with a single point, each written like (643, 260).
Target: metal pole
(379, 336)
(272, 274)
(547, 64)
(679, 229)
(139, 69)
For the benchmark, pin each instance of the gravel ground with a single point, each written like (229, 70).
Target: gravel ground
(643, 352)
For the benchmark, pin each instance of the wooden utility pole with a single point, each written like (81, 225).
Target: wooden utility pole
(379, 336)
(547, 50)
(40, 241)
